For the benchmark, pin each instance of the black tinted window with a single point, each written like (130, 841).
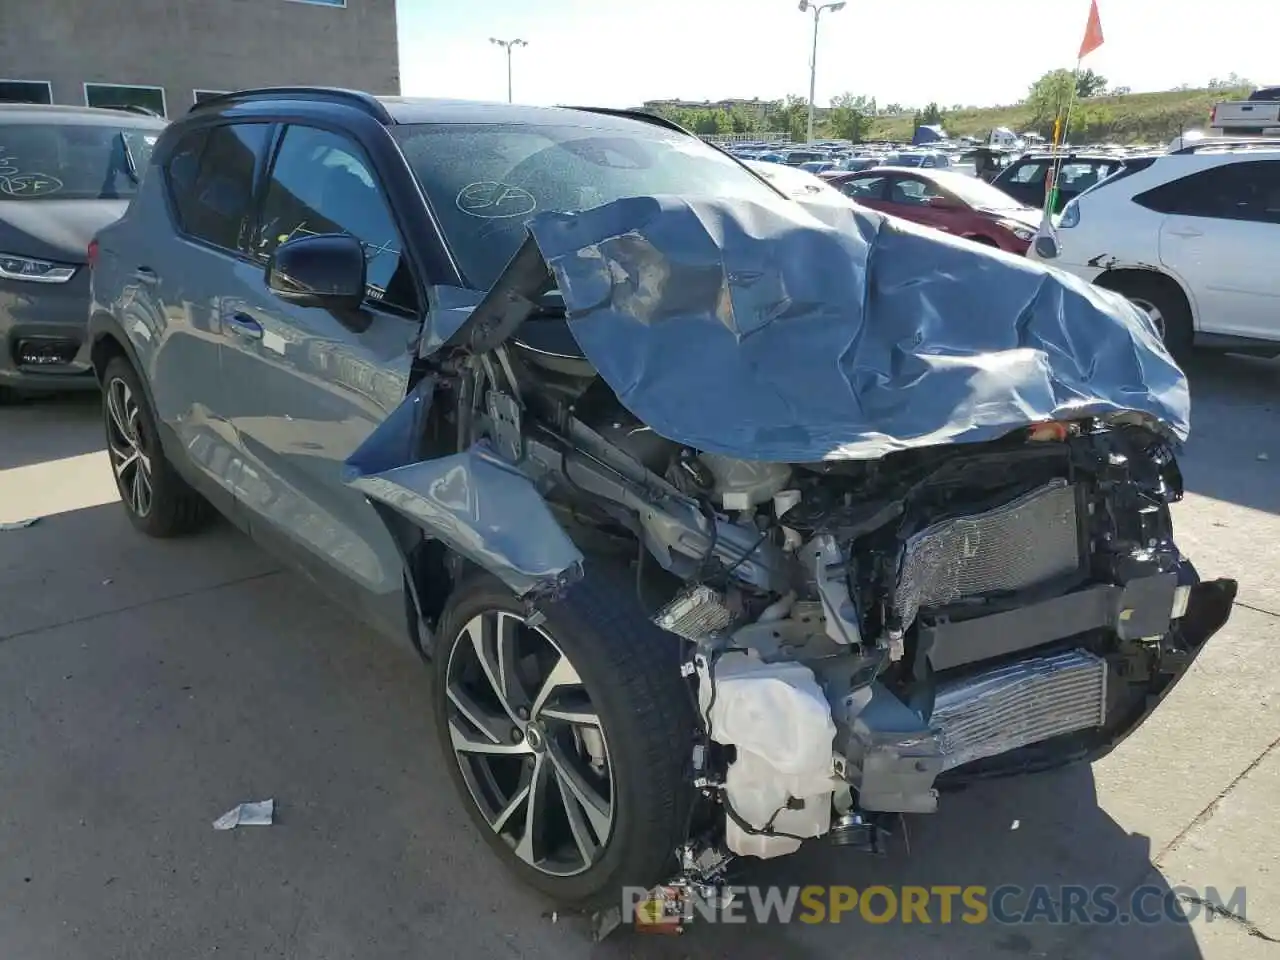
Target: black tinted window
(1236, 191)
(320, 183)
(215, 205)
(41, 161)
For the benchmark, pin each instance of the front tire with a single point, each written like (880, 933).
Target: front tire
(568, 742)
(157, 500)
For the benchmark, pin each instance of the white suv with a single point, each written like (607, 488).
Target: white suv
(1193, 237)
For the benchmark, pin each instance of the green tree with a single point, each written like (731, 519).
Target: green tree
(929, 115)
(743, 121)
(1049, 97)
(1090, 84)
(850, 116)
(789, 116)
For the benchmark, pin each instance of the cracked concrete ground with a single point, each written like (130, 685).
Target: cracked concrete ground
(146, 687)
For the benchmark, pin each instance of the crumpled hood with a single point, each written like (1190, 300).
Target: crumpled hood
(767, 333)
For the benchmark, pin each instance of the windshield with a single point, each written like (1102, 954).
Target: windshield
(484, 181)
(979, 193)
(72, 162)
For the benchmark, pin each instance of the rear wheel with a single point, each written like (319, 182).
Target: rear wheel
(1164, 302)
(567, 740)
(157, 500)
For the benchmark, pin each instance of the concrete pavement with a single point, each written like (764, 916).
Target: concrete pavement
(147, 687)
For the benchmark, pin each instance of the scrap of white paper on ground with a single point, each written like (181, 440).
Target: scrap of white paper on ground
(255, 813)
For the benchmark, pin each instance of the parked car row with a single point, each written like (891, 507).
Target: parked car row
(65, 172)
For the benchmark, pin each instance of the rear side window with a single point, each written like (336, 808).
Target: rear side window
(211, 178)
(1247, 191)
(1027, 173)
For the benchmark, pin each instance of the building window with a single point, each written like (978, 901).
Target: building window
(125, 96)
(323, 3)
(25, 91)
(202, 95)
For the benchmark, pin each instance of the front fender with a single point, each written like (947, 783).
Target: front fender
(477, 504)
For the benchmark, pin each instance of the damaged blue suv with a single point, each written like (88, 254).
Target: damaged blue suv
(726, 522)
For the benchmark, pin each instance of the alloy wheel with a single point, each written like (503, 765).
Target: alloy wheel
(128, 448)
(1152, 311)
(530, 743)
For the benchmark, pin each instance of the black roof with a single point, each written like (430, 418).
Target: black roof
(58, 113)
(396, 110)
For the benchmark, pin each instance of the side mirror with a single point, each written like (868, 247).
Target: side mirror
(325, 271)
(943, 203)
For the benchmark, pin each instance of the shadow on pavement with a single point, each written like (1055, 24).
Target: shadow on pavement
(42, 428)
(1235, 419)
(1061, 838)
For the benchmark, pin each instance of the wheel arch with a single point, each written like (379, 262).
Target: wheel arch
(1118, 278)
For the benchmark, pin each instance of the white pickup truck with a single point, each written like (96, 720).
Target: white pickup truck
(1259, 116)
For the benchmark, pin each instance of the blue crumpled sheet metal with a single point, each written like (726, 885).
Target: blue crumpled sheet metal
(767, 333)
(474, 502)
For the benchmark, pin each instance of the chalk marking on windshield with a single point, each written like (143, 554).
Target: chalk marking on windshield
(490, 200)
(15, 183)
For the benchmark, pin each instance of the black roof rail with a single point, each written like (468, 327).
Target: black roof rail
(642, 115)
(352, 98)
(1207, 142)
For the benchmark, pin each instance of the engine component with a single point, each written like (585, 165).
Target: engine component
(1015, 546)
(1020, 704)
(695, 613)
(780, 784)
(743, 484)
(892, 755)
(827, 566)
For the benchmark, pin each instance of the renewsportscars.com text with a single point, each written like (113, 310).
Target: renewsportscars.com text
(940, 904)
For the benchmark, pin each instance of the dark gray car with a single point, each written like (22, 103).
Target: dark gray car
(728, 521)
(65, 172)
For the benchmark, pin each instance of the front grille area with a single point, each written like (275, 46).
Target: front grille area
(1015, 546)
(1020, 704)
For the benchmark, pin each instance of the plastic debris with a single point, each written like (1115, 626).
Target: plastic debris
(254, 813)
(19, 524)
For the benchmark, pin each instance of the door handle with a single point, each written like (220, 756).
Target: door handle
(146, 275)
(245, 326)
(1188, 233)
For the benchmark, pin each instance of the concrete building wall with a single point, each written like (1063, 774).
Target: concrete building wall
(185, 45)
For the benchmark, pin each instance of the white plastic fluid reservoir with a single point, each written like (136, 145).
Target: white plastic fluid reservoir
(742, 484)
(779, 720)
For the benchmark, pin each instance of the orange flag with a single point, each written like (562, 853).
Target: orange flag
(1092, 32)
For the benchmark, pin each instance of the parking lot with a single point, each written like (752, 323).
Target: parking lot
(147, 687)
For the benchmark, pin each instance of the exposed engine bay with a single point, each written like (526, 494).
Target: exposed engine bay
(860, 633)
(861, 617)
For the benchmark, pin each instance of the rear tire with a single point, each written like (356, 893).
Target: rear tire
(1164, 302)
(618, 668)
(157, 500)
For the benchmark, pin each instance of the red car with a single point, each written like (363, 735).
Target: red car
(944, 200)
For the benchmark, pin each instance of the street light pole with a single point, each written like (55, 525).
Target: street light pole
(817, 8)
(507, 45)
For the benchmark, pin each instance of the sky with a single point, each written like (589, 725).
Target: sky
(619, 53)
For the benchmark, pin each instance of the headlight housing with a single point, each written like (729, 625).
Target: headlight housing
(13, 267)
(1019, 230)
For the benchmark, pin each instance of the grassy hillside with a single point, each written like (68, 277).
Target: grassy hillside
(1146, 117)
